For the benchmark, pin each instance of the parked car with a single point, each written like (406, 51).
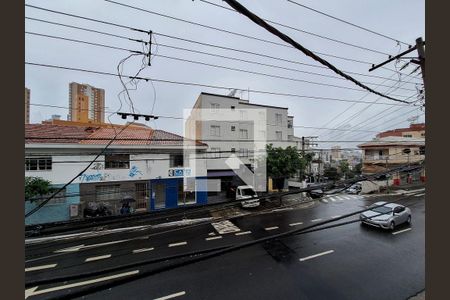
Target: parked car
(317, 193)
(354, 189)
(386, 215)
(247, 192)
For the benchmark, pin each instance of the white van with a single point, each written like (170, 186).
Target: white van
(246, 192)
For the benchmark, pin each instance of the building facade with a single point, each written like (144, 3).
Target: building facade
(86, 103)
(392, 151)
(143, 163)
(236, 135)
(413, 131)
(27, 105)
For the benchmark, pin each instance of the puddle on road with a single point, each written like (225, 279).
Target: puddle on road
(280, 252)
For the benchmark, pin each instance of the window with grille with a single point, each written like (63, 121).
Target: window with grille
(117, 161)
(243, 133)
(38, 163)
(142, 195)
(278, 119)
(214, 130)
(107, 192)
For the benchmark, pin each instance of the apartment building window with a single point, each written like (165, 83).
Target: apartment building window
(233, 150)
(290, 124)
(244, 115)
(117, 161)
(243, 133)
(243, 152)
(279, 135)
(407, 135)
(215, 107)
(233, 128)
(214, 130)
(38, 163)
(278, 119)
(232, 107)
(215, 152)
(176, 160)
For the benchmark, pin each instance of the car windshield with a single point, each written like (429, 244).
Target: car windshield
(248, 192)
(382, 209)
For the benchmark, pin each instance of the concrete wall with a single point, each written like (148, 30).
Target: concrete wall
(55, 210)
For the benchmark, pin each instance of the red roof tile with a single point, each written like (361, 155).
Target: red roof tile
(57, 134)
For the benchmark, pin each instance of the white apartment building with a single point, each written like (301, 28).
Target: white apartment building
(226, 136)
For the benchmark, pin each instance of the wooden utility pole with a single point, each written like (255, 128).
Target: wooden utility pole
(421, 51)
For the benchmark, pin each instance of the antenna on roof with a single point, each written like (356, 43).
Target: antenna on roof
(232, 93)
(413, 119)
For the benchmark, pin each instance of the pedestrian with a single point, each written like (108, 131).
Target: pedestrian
(125, 210)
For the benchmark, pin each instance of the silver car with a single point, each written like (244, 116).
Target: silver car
(386, 215)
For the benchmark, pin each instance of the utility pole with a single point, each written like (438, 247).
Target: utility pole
(419, 46)
(421, 51)
(387, 178)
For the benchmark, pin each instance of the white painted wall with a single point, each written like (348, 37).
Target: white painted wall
(142, 167)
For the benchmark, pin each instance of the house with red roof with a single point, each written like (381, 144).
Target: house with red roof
(146, 164)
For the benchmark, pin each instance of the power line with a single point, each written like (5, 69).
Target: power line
(349, 23)
(357, 114)
(194, 62)
(237, 6)
(227, 31)
(38, 207)
(195, 259)
(84, 42)
(182, 39)
(206, 85)
(304, 31)
(352, 105)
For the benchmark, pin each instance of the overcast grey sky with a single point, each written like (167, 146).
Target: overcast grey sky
(402, 19)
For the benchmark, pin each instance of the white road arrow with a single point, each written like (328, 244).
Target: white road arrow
(33, 291)
(83, 247)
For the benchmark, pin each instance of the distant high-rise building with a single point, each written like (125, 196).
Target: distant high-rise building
(27, 106)
(86, 103)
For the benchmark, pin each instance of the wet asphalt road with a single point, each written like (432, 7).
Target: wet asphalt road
(345, 262)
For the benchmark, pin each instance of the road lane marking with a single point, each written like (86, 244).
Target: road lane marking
(316, 255)
(94, 258)
(143, 250)
(295, 224)
(334, 217)
(30, 269)
(33, 292)
(243, 233)
(325, 200)
(419, 195)
(271, 228)
(282, 209)
(316, 220)
(171, 296)
(177, 244)
(213, 238)
(401, 231)
(332, 199)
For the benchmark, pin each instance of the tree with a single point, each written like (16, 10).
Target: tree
(358, 168)
(283, 163)
(331, 173)
(36, 186)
